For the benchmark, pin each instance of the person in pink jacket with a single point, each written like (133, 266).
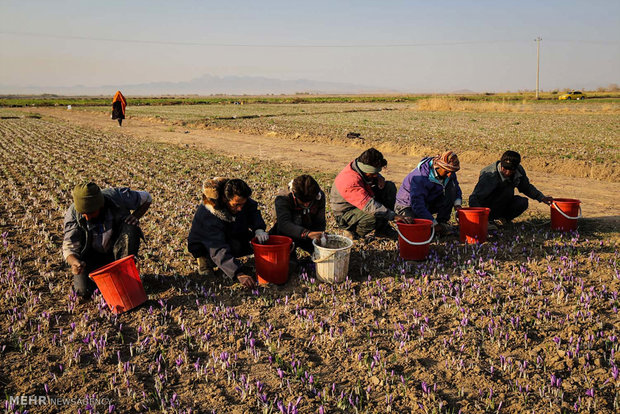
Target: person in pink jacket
(362, 200)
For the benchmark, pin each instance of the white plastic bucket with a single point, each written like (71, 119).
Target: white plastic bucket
(332, 264)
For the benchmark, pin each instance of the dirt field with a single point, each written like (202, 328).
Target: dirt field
(576, 139)
(525, 322)
(600, 198)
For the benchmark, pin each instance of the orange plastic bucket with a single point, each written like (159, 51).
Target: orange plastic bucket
(120, 284)
(271, 259)
(564, 214)
(474, 224)
(414, 239)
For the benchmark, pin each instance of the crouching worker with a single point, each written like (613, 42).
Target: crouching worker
(300, 214)
(362, 200)
(100, 228)
(431, 188)
(223, 226)
(496, 189)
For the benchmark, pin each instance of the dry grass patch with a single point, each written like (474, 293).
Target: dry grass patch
(451, 104)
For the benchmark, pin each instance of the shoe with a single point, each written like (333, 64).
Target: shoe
(204, 266)
(444, 229)
(387, 232)
(503, 222)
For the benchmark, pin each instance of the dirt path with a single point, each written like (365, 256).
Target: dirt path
(600, 199)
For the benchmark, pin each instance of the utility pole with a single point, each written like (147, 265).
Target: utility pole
(537, 40)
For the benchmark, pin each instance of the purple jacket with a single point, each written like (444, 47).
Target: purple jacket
(421, 187)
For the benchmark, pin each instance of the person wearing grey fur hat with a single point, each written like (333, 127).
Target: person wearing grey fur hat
(223, 225)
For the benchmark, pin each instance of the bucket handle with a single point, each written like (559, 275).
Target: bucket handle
(323, 259)
(564, 214)
(417, 243)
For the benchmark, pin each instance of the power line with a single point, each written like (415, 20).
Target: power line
(301, 46)
(248, 45)
(597, 42)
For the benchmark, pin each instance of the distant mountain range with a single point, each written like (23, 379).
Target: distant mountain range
(206, 85)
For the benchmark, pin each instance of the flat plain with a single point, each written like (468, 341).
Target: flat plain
(577, 139)
(527, 321)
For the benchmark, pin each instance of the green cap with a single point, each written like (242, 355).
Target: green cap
(87, 198)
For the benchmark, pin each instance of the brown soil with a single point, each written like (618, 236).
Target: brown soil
(600, 199)
(472, 329)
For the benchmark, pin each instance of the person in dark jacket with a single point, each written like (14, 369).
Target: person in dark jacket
(118, 107)
(100, 228)
(431, 188)
(362, 200)
(496, 186)
(223, 226)
(300, 214)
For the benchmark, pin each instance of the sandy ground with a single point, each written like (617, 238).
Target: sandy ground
(600, 199)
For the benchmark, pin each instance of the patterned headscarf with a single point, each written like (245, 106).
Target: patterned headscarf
(448, 161)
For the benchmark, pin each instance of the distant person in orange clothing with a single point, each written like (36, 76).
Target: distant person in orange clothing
(118, 107)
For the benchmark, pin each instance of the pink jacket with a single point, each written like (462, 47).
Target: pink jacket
(350, 190)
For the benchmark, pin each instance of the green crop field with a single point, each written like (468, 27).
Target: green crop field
(55, 100)
(198, 114)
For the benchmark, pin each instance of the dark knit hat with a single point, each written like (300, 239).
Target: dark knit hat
(510, 160)
(87, 198)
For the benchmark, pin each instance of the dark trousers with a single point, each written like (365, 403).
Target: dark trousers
(504, 204)
(117, 110)
(127, 243)
(442, 205)
(360, 222)
(239, 246)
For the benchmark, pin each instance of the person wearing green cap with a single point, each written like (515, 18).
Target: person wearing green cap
(362, 200)
(99, 228)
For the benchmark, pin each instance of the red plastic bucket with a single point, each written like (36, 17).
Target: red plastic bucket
(414, 239)
(120, 284)
(564, 214)
(474, 224)
(271, 259)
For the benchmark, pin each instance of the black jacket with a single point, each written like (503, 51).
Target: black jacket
(292, 220)
(491, 183)
(216, 228)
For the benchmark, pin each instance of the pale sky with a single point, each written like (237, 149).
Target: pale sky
(451, 45)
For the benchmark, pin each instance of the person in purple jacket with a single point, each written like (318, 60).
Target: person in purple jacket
(431, 188)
